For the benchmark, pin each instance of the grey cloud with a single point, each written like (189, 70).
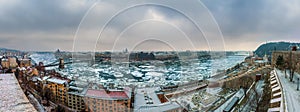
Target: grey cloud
(237, 17)
(52, 24)
(40, 15)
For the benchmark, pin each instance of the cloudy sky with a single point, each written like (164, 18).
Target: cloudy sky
(87, 25)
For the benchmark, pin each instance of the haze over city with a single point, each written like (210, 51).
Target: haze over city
(35, 25)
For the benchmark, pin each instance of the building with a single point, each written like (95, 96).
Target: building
(12, 62)
(76, 98)
(24, 63)
(151, 100)
(13, 98)
(5, 63)
(108, 99)
(59, 89)
(9, 62)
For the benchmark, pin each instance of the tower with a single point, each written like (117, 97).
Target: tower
(61, 63)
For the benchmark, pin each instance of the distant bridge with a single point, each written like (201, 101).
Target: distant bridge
(56, 63)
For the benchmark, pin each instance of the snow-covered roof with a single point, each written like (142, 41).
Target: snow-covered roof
(240, 93)
(158, 108)
(146, 99)
(76, 88)
(43, 78)
(144, 96)
(57, 81)
(149, 92)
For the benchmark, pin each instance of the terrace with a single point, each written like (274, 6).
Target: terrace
(12, 97)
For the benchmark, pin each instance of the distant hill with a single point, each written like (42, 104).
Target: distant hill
(8, 50)
(273, 46)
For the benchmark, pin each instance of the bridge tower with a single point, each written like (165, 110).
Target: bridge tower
(61, 63)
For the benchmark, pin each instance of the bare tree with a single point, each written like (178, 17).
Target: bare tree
(285, 68)
(291, 66)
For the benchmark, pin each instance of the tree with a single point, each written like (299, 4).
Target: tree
(285, 68)
(291, 66)
(246, 81)
(292, 72)
(279, 61)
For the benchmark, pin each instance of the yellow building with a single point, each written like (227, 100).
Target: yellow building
(58, 88)
(12, 62)
(25, 63)
(76, 98)
(5, 63)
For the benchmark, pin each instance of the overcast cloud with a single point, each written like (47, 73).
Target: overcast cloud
(49, 25)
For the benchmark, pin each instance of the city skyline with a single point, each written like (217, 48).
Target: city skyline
(52, 25)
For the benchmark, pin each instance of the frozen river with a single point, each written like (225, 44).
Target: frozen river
(146, 73)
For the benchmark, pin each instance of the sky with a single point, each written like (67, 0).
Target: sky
(113, 25)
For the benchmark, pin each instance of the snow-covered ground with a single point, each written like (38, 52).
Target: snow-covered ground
(292, 96)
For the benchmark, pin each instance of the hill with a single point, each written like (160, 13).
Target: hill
(267, 48)
(8, 50)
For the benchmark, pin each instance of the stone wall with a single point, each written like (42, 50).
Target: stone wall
(246, 80)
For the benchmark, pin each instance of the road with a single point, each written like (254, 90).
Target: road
(292, 96)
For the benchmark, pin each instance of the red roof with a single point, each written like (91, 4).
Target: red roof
(103, 94)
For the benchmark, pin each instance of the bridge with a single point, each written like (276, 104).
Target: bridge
(58, 62)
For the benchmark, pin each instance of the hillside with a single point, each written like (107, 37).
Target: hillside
(273, 46)
(8, 50)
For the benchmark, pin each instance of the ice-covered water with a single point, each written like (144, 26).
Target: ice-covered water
(45, 57)
(155, 72)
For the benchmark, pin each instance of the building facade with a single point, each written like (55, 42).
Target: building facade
(24, 63)
(108, 100)
(58, 88)
(76, 98)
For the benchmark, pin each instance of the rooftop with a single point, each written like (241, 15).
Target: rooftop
(77, 90)
(13, 98)
(144, 96)
(57, 81)
(158, 108)
(146, 99)
(105, 94)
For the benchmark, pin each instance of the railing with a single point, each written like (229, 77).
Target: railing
(276, 91)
